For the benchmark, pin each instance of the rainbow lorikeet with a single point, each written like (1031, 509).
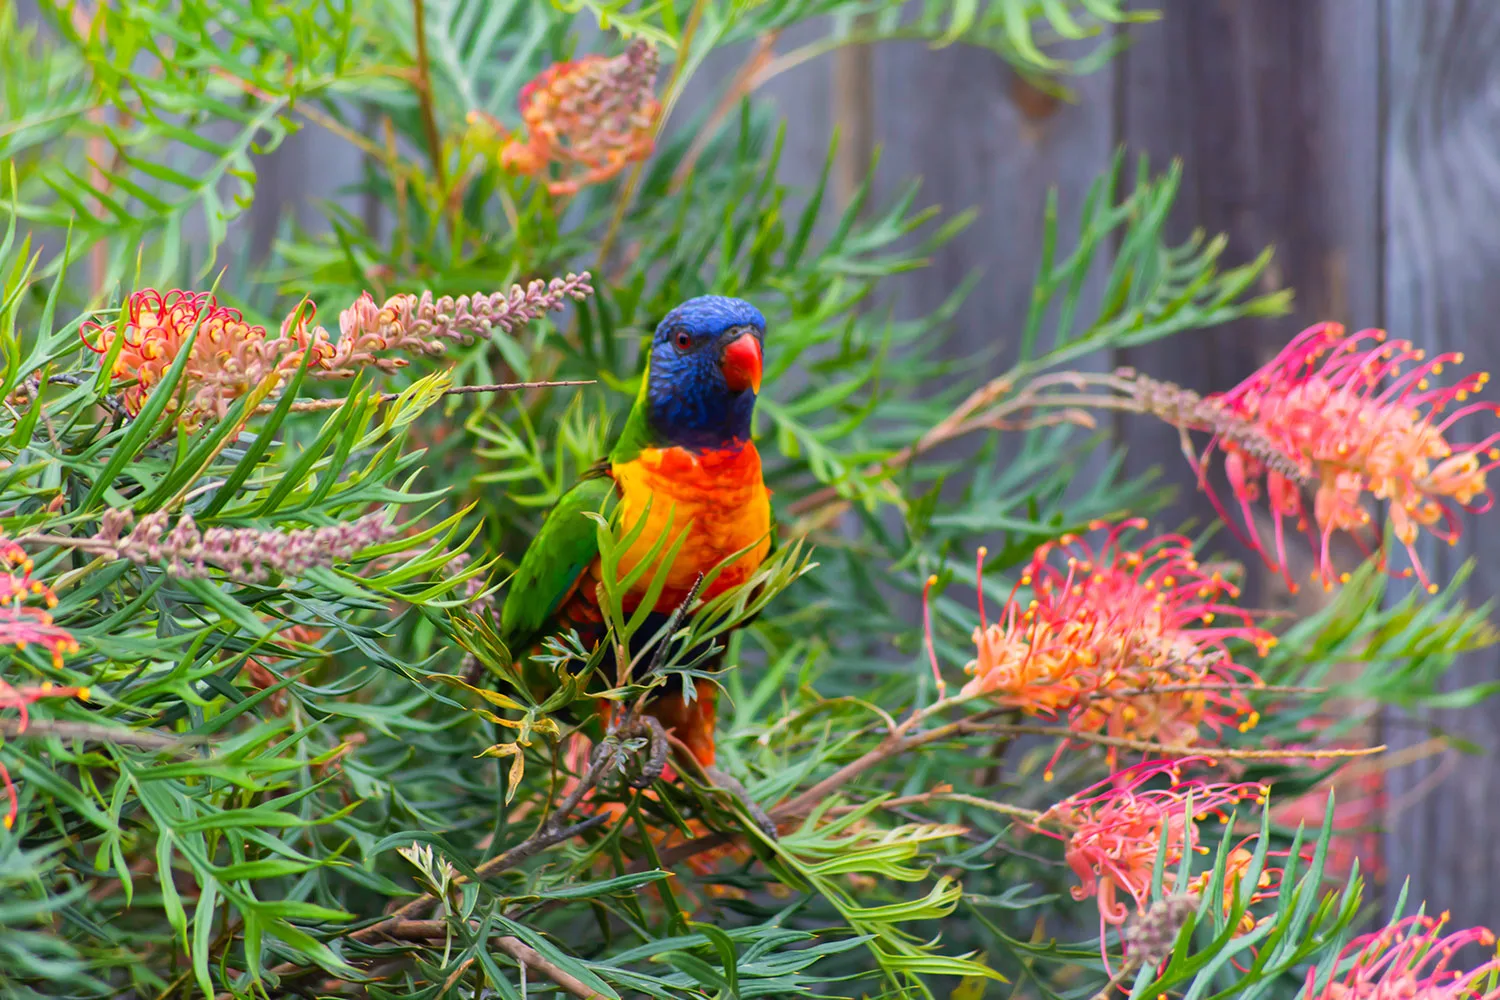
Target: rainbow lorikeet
(685, 449)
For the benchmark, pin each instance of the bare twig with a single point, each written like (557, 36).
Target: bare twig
(143, 739)
(523, 953)
(530, 958)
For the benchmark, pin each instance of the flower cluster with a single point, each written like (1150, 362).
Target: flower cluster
(590, 117)
(1128, 642)
(231, 357)
(22, 623)
(1358, 415)
(1408, 959)
(1112, 833)
(21, 699)
(246, 555)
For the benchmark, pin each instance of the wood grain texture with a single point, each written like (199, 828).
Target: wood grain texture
(1442, 254)
(964, 124)
(1271, 106)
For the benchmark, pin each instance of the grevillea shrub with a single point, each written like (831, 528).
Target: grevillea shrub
(259, 733)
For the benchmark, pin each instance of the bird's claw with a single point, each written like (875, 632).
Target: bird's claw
(730, 784)
(655, 761)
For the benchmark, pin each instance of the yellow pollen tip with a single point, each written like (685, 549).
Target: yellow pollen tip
(10, 821)
(1432, 588)
(83, 694)
(932, 580)
(1458, 358)
(1047, 775)
(1343, 578)
(1208, 618)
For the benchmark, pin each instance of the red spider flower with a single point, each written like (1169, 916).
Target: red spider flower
(22, 624)
(590, 116)
(1408, 961)
(1357, 414)
(1123, 640)
(1113, 830)
(20, 699)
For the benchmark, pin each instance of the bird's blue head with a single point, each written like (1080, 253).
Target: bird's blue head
(705, 372)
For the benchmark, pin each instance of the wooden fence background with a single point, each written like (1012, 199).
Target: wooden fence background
(1360, 137)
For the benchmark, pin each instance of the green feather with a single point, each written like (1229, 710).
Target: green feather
(555, 559)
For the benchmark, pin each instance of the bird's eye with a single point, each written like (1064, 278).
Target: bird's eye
(684, 340)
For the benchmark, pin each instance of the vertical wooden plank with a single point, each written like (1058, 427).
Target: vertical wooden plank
(962, 122)
(307, 167)
(1271, 107)
(1442, 191)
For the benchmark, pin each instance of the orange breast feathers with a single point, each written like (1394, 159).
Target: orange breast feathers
(718, 496)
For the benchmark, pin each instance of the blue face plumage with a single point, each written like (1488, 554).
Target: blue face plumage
(705, 372)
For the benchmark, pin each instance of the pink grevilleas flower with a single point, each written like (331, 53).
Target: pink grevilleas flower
(1409, 960)
(1112, 832)
(590, 117)
(1359, 415)
(20, 699)
(1126, 641)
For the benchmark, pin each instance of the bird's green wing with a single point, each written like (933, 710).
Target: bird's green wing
(556, 558)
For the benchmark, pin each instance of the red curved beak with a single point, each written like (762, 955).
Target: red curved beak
(741, 363)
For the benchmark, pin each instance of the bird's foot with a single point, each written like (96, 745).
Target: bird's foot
(655, 761)
(730, 784)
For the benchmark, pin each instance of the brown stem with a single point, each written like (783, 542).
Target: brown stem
(424, 94)
(523, 953)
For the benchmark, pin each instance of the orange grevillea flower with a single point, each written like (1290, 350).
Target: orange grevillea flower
(1128, 642)
(22, 623)
(1359, 415)
(591, 117)
(1408, 960)
(1112, 831)
(21, 699)
(229, 357)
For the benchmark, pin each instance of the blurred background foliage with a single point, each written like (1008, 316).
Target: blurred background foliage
(262, 769)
